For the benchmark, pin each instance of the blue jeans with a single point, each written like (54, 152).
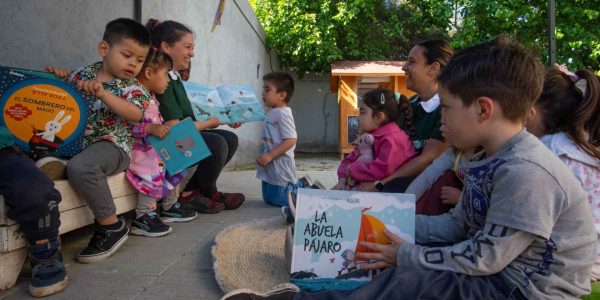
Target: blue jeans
(278, 195)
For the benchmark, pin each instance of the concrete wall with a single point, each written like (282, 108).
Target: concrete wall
(65, 33)
(316, 114)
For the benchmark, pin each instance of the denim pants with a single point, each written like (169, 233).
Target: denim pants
(278, 195)
(410, 283)
(30, 196)
(222, 144)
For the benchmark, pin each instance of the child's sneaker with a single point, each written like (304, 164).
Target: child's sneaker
(104, 243)
(305, 182)
(288, 217)
(54, 166)
(178, 213)
(149, 225)
(48, 274)
(283, 291)
(317, 185)
(292, 202)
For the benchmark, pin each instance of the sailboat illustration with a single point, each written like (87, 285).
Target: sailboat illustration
(371, 230)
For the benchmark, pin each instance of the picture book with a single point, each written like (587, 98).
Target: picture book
(181, 148)
(330, 223)
(230, 103)
(44, 113)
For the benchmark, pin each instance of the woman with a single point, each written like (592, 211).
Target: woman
(425, 62)
(177, 41)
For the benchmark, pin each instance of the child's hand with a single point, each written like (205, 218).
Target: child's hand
(92, 87)
(60, 73)
(340, 185)
(264, 159)
(450, 195)
(383, 255)
(158, 130)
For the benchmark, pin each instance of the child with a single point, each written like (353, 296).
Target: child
(391, 148)
(276, 165)
(146, 172)
(33, 201)
(107, 137)
(522, 228)
(565, 118)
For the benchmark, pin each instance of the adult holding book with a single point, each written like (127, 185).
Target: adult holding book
(426, 61)
(177, 40)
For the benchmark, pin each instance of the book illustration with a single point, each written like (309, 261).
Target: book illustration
(229, 103)
(330, 224)
(44, 113)
(182, 148)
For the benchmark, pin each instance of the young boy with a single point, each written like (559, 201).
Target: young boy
(522, 228)
(33, 201)
(276, 165)
(108, 139)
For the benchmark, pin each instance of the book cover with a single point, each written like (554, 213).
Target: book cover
(330, 223)
(181, 148)
(230, 103)
(44, 113)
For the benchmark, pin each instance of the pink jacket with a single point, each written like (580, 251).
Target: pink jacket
(392, 148)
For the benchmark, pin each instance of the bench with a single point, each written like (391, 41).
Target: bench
(74, 214)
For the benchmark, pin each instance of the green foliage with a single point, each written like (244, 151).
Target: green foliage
(309, 34)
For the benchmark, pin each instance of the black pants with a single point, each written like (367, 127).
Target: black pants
(30, 196)
(222, 144)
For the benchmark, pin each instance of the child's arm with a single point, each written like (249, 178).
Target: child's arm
(425, 180)
(124, 109)
(143, 129)
(286, 145)
(346, 162)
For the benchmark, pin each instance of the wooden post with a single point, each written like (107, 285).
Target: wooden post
(348, 106)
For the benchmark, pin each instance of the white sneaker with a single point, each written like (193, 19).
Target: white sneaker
(284, 291)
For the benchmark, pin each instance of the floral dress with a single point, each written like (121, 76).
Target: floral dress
(146, 171)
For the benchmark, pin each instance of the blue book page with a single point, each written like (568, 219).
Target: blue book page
(328, 226)
(206, 102)
(182, 148)
(241, 103)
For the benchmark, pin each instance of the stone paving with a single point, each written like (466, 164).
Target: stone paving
(177, 266)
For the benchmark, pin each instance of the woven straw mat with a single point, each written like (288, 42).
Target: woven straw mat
(251, 255)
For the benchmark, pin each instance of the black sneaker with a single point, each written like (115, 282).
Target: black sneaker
(288, 217)
(149, 225)
(178, 213)
(104, 243)
(48, 274)
(283, 291)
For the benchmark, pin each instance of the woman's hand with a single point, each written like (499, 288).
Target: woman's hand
(383, 255)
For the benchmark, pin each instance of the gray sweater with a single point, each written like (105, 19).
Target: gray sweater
(522, 214)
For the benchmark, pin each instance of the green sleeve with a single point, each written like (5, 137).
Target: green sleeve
(169, 107)
(436, 134)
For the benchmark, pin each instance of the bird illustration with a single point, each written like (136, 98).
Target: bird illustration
(201, 112)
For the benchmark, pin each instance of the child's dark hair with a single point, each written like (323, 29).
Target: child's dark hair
(157, 60)
(501, 69)
(436, 51)
(395, 109)
(169, 32)
(283, 82)
(122, 28)
(566, 108)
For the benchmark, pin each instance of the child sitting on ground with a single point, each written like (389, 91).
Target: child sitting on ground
(147, 172)
(391, 147)
(523, 228)
(276, 166)
(107, 137)
(566, 119)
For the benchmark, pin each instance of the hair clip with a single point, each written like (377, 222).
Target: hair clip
(155, 49)
(581, 86)
(382, 99)
(563, 69)
(398, 96)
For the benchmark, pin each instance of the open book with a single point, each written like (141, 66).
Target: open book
(330, 223)
(45, 114)
(230, 103)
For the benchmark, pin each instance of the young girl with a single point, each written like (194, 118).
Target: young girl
(146, 171)
(565, 118)
(391, 148)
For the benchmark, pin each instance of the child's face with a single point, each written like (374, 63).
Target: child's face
(460, 124)
(535, 123)
(366, 120)
(271, 96)
(123, 59)
(157, 80)
(181, 52)
(419, 74)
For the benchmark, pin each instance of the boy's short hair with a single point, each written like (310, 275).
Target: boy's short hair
(501, 69)
(122, 28)
(283, 82)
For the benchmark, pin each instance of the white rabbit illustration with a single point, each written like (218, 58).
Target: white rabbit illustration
(53, 127)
